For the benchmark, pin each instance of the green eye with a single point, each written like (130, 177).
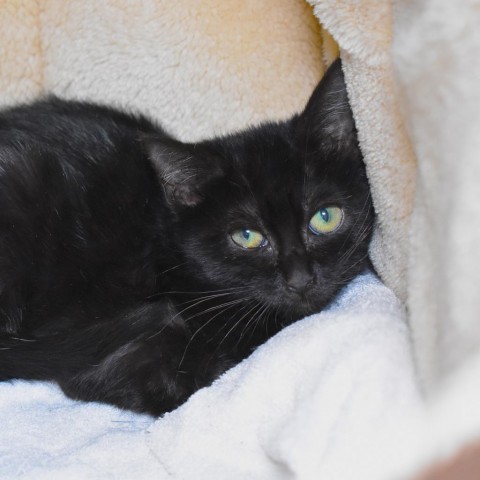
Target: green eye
(326, 220)
(247, 238)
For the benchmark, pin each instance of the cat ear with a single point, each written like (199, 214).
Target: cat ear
(185, 170)
(328, 114)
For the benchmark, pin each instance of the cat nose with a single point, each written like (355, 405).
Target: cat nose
(300, 281)
(299, 277)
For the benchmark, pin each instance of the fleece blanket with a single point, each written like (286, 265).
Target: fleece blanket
(413, 76)
(439, 86)
(413, 82)
(302, 406)
(200, 68)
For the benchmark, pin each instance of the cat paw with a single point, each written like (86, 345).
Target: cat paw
(137, 376)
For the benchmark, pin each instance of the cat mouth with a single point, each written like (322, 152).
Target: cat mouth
(303, 304)
(296, 307)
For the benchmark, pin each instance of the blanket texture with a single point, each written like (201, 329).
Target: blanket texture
(413, 82)
(436, 50)
(200, 67)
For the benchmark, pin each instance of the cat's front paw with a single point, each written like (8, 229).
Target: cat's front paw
(137, 376)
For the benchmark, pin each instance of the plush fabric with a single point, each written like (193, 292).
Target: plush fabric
(436, 48)
(200, 67)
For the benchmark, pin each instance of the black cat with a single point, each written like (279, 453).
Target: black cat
(134, 269)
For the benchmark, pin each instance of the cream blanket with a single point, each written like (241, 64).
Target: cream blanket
(208, 67)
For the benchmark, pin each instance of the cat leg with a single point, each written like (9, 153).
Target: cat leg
(140, 376)
(152, 374)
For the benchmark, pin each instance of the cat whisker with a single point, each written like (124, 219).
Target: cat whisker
(174, 317)
(256, 305)
(355, 264)
(200, 292)
(223, 308)
(211, 297)
(194, 303)
(359, 240)
(214, 308)
(173, 268)
(251, 321)
(247, 304)
(236, 323)
(255, 321)
(365, 210)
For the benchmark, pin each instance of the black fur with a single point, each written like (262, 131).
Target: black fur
(119, 278)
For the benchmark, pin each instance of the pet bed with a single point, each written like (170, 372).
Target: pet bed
(351, 406)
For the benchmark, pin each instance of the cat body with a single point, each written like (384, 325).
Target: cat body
(135, 269)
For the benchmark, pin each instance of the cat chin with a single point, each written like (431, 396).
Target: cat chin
(315, 300)
(296, 310)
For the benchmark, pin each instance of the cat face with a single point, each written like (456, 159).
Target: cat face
(281, 212)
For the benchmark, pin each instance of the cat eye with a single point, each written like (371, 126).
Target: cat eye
(249, 239)
(326, 220)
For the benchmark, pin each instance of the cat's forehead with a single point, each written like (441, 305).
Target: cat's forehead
(273, 162)
(266, 156)
(266, 185)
